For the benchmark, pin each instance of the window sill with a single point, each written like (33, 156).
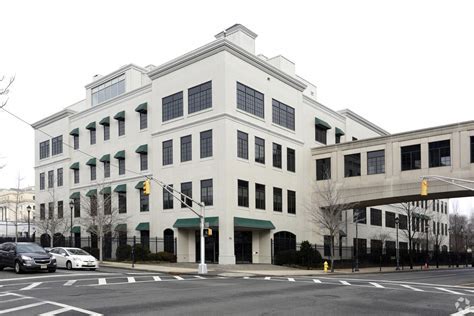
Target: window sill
(187, 162)
(250, 115)
(291, 214)
(167, 166)
(142, 130)
(206, 159)
(278, 213)
(277, 169)
(243, 160)
(243, 208)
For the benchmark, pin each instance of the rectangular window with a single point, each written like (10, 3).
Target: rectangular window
(106, 169)
(77, 207)
(121, 127)
(283, 115)
(93, 173)
(376, 162)
(375, 217)
(172, 106)
(206, 144)
(411, 157)
(76, 176)
(440, 153)
(187, 189)
(144, 202)
(207, 194)
(106, 132)
(243, 193)
(242, 145)
(321, 134)
(107, 204)
(44, 149)
(290, 160)
(42, 180)
(122, 202)
(75, 140)
(50, 178)
(121, 165)
(92, 136)
(291, 202)
(360, 215)
(277, 200)
(250, 100)
(390, 219)
(338, 139)
(108, 90)
(42, 211)
(59, 175)
(259, 150)
(186, 148)
(143, 120)
(168, 152)
(200, 97)
(276, 155)
(259, 196)
(323, 169)
(143, 161)
(57, 145)
(352, 165)
(167, 198)
(93, 205)
(60, 209)
(403, 221)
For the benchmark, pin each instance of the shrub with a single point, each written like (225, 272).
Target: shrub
(123, 252)
(286, 257)
(162, 256)
(93, 251)
(141, 252)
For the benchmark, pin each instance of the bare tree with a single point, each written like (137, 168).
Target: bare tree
(5, 89)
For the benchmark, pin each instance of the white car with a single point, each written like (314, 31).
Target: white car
(74, 258)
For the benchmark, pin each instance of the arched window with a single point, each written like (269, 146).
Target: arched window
(283, 241)
(168, 236)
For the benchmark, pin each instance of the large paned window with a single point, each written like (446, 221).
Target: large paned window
(376, 162)
(389, 219)
(42, 211)
(375, 217)
(403, 221)
(143, 161)
(50, 210)
(277, 200)
(168, 198)
(291, 202)
(352, 165)
(106, 132)
(323, 169)
(144, 202)
(75, 140)
(206, 144)
(60, 209)
(276, 155)
(93, 137)
(93, 173)
(50, 178)
(77, 207)
(440, 153)
(42, 180)
(143, 120)
(106, 169)
(243, 193)
(259, 150)
(250, 100)
(187, 189)
(122, 202)
(60, 177)
(259, 196)
(242, 145)
(172, 106)
(57, 145)
(168, 152)
(44, 149)
(108, 90)
(76, 176)
(320, 134)
(360, 215)
(93, 205)
(186, 148)
(200, 97)
(283, 115)
(207, 194)
(121, 165)
(121, 127)
(290, 160)
(411, 157)
(107, 204)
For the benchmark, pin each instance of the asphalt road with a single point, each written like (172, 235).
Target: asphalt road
(125, 292)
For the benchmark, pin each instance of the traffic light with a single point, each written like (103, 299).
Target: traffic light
(146, 187)
(207, 232)
(424, 187)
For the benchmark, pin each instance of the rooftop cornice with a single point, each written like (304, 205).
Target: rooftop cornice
(52, 118)
(114, 74)
(218, 46)
(359, 119)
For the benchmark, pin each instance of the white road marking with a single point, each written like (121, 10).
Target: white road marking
(69, 307)
(156, 278)
(55, 312)
(412, 288)
(344, 282)
(291, 279)
(472, 291)
(140, 273)
(57, 276)
(70, 282)
(102, 281)
(377, 285)
(14, 309)
(131, 280)
(178, 277)
(31, 286)
(199, 277)
(15, 299)
(449, 291)
(316, 281)
(246, 278)
(268, 278)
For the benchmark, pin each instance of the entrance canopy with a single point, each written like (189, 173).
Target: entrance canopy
(239, 222)
(251, 223)
(194, 222)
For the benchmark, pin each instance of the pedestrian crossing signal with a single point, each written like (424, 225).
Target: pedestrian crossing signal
(424, 187)
(207, 232)
(146, 187)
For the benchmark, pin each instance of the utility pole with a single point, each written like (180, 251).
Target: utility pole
(397, 222)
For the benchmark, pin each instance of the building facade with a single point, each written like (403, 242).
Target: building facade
(13, 209)
(221, 124)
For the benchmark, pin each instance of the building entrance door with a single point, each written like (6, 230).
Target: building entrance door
(211, 247)
(243, 246)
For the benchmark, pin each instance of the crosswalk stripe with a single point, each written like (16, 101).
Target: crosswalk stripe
(449, 291)
(344, 282)
(316, 281)
(14, 309)
(291, 279)
(377, 285)
(267, 278)
(412, 288)
(56, 312)
(130, 279)
(246, 277)
(102, 281)
(199, 277)
(472, 291)
(156, 278)
(31, 286)
(70, 282)
(178, 277)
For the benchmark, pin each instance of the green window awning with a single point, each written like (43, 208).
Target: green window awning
(121, 228)
(76, 230)
(91, 193)
(74, 166)
(106, 190)
(105, 121)
(194, 222)
(143, 149)
(142, 108)
(143, 226)
(120, 116)
(321, 123)
(139, 185)
(75, 195)
(105, 158)
(121, 188)
(91, 162)
(74, 132)
(91, 126)
(339, 132)
(252, 223)
(120, 154)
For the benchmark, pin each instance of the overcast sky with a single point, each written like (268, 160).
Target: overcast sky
(403, 65)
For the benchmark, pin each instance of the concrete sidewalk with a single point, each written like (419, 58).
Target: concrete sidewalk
(240, 270)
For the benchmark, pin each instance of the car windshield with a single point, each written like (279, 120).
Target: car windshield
(22, 248)
(77, 252)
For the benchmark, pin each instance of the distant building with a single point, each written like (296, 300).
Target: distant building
(12, 200)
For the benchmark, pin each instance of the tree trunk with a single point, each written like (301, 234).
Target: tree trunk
(331, 253)
(51, 240)
(100, 249)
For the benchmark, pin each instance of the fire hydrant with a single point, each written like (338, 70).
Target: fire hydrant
(326, 266)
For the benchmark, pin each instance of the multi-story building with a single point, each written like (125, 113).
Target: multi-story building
(221, 124)
(14, 210)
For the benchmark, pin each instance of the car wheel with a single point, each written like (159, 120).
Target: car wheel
(69, 265)
(51, 270)
(18, 268)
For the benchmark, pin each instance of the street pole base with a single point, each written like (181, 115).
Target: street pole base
(202, 268)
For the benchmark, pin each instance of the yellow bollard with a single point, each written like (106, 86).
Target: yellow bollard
(326, 266)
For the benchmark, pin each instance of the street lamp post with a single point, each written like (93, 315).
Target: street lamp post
(71, 206)
(357, 247)
(427, 229)
(28, 208)
(397, 222)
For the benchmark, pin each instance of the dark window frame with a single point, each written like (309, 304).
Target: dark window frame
(410, 157)
(375, 217)
(439, 153)
(242, 145)
(205, 145)
(376, 162)
(44, 149)
(277, 155)
(291, 201)
(167, 152)
(321, 134)
(172, 106)
(250, 100)
(186, 148)
(323, 169)
(260, 196)
(168, 198)
(259, 150)
(352, 164)
(283, 114)
(242, 193)
(290, 159)
(207, 192)
(187, 189)
(200, 97)
(277, 200)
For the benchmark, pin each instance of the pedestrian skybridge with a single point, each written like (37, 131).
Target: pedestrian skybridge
(388, 169)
